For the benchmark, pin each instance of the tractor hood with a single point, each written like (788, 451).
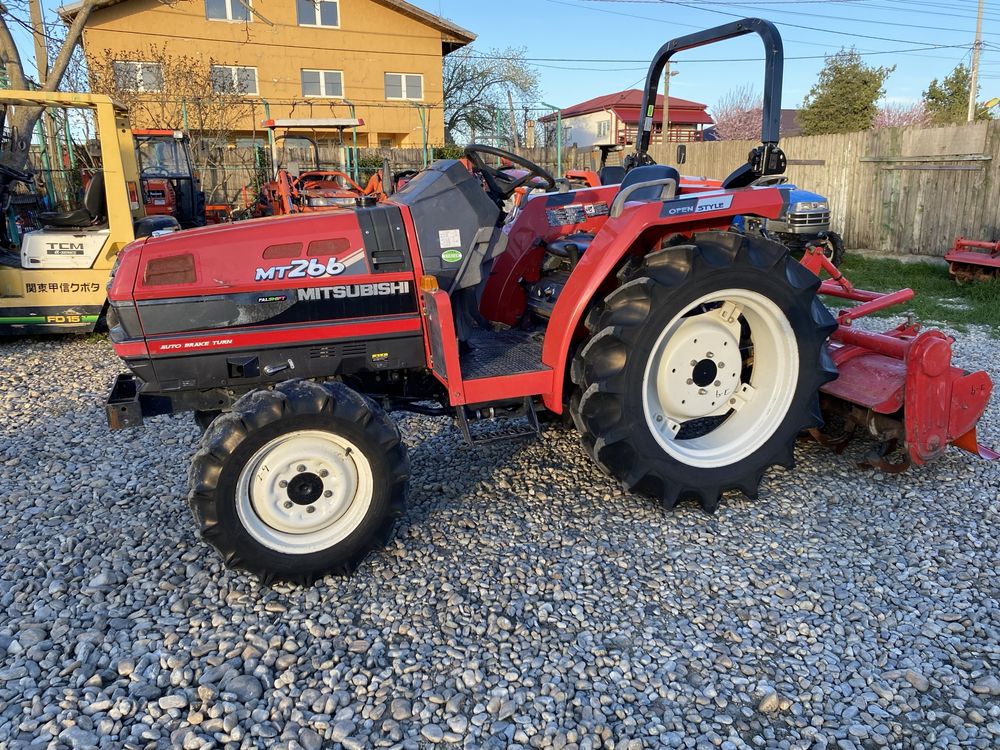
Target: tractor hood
(258, 255)
(288, 284)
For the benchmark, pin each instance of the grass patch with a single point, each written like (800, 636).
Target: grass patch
(938, 300)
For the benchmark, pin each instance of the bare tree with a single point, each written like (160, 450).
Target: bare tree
(901, 116)
(738, 115)
(22, 120)
(176, 92)
(478, 86)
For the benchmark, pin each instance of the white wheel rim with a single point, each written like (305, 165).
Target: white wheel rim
(695, 372)
(304, 492)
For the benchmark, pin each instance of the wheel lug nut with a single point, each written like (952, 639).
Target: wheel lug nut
(282, 484)
(721, 365)
(328, 494)
(324, 473)
(694, 363)
(702, 391)
(709, 355)
(300, 468)
(311, 509)
(718, 383)
(288, 505)
(690, 381)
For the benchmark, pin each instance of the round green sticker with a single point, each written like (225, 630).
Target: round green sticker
(451, 256)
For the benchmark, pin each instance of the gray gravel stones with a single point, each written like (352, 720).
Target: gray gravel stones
(524, 601)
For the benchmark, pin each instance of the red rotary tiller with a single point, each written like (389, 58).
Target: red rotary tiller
(973, 260)
(899, 385)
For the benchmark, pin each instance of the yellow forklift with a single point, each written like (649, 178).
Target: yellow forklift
(54, 280)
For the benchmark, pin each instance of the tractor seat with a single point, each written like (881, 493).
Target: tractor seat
(571, 246)
(648, 173)
(94, 210)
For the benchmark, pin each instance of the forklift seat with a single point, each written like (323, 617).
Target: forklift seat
(93, 212)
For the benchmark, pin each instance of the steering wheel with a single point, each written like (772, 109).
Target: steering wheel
(499, 185)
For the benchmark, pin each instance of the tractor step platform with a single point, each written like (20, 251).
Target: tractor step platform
(524, 412)
(493, 354)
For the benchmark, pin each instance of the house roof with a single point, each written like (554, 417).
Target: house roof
(454, 35)
(790, 123)
(627, 104)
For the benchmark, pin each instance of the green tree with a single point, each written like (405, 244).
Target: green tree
(845, 98)
(947, 102)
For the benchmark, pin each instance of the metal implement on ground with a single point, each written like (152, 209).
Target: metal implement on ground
(689, 357)
(973, 260)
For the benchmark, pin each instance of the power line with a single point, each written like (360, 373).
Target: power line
(700, 7)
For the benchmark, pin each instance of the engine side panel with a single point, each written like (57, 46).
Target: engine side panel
(269, 300)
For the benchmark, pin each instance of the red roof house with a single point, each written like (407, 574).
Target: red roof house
(614, 118)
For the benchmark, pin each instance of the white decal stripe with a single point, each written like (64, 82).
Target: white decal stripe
(350, 260)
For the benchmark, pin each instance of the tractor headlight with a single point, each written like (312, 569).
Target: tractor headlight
(807, 206)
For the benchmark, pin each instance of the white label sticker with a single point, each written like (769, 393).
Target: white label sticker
(450, 238)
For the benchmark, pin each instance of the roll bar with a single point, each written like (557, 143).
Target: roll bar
(769, 159)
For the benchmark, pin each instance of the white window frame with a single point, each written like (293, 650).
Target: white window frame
(322, 84)
(603, 128)
(229, 13)
(232, 69)
(402, 79)
(316, 16)
(137, 78)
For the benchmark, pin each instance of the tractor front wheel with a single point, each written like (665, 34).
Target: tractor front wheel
(702, 368)
(299, 481)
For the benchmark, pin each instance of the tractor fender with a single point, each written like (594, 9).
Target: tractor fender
(619, 237)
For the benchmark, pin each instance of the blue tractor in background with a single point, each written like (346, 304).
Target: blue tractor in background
(806, 223)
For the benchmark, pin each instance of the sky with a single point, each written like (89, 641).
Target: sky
(586, 48)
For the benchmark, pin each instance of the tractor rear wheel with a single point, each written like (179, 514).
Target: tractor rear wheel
(702, 368)
(299, 481)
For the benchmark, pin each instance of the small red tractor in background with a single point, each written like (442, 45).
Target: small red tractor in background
(689, 356)
(170, 183)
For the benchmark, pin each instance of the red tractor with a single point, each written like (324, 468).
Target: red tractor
(171, 186)
(690, 357)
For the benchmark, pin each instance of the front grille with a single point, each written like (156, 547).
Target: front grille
(811, 219)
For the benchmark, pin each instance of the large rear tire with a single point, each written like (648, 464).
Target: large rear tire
(702, 368)
(299, 481)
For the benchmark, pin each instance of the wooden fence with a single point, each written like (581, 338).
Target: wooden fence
(904, 191)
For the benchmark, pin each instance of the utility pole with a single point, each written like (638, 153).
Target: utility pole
(666, 103)
(515, 138)
(974, 78)
(667, 74)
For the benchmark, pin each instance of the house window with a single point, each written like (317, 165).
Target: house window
(404, 86)
(329, 83)
(227, 10)
(318, 13)
(603, 129)
(137, 76)
(232, 79)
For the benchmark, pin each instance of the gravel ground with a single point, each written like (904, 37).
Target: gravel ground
(524, 601)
